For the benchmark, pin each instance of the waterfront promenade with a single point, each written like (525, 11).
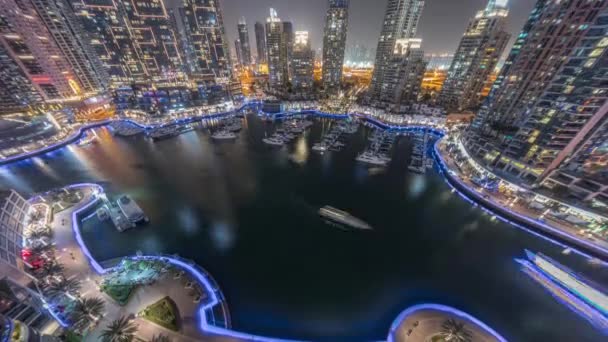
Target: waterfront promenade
(516, 212)
(78, 263)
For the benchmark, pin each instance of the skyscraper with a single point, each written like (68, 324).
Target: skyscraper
(478, 53)
(552, 30)
(302, 64)
(70, 37)
(180, 23)
(400, 22)
(260, 42)
(406, 71)
(30, 46)
(135, 40)
(16, 90)
(206, 29)
(279, 42)
(549, 115)
(244, 41)
(334, 42)
(110, 38)
(239, 52)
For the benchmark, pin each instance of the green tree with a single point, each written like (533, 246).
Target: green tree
(67, 287)
(454, 331)
(87, 311)
(121, 330)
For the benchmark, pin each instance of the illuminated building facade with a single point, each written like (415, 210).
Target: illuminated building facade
(260, 43)
(135, 40)
(16, 90)
(180, 23)
(69, 36)
(334, 42)
(559, 139)
(244, 41)
(476, 57)
(206, 29)
(138, 41)
(553, 29)
(13, 215)
(404, 73)
(302, 63)
(400, 22)
(28, 43)
(238, 52)
(441, 61)
(279, 40)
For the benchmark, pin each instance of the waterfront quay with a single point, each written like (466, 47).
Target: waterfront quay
(192, 291)
(516, 206)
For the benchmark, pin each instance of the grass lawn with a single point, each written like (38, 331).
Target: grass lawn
(71, 336)
(438, 338)
(164, 313)
(120, 293)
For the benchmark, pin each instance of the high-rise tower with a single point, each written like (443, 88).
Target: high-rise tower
(334, 42)
(400, 22)
(546, 116)
(27, 42)
(478, 53)
(260, 42)
(244, 41)
(302, 63)
(67, 32)
(279, 40)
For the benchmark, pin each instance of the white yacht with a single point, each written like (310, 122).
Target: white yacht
(274, 141)
(320, 147)
(370, 158)
(131, 210)
(343, 217)
(223, 135)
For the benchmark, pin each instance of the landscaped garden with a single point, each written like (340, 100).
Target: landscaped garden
(119, 293)
(164, 313)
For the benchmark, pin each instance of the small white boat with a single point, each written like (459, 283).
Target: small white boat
(342, 217)
(274, 141)
(370, 158)
(319, 147)
(223, 135)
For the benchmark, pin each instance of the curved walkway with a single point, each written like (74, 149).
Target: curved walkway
(422, 322)
(555, 235)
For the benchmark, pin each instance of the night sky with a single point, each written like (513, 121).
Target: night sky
(441, 27)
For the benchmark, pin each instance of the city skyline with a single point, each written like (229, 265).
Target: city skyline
(441, 25)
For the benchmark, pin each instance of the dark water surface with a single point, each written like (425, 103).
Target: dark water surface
(248, 214)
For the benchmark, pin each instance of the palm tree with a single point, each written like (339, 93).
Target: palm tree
(121, 330)
(67, 287)
(455, 331)
(40, 249)
(87, 311)
(35, 234)
(160, 338)
(51, 268)
(36, 215)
